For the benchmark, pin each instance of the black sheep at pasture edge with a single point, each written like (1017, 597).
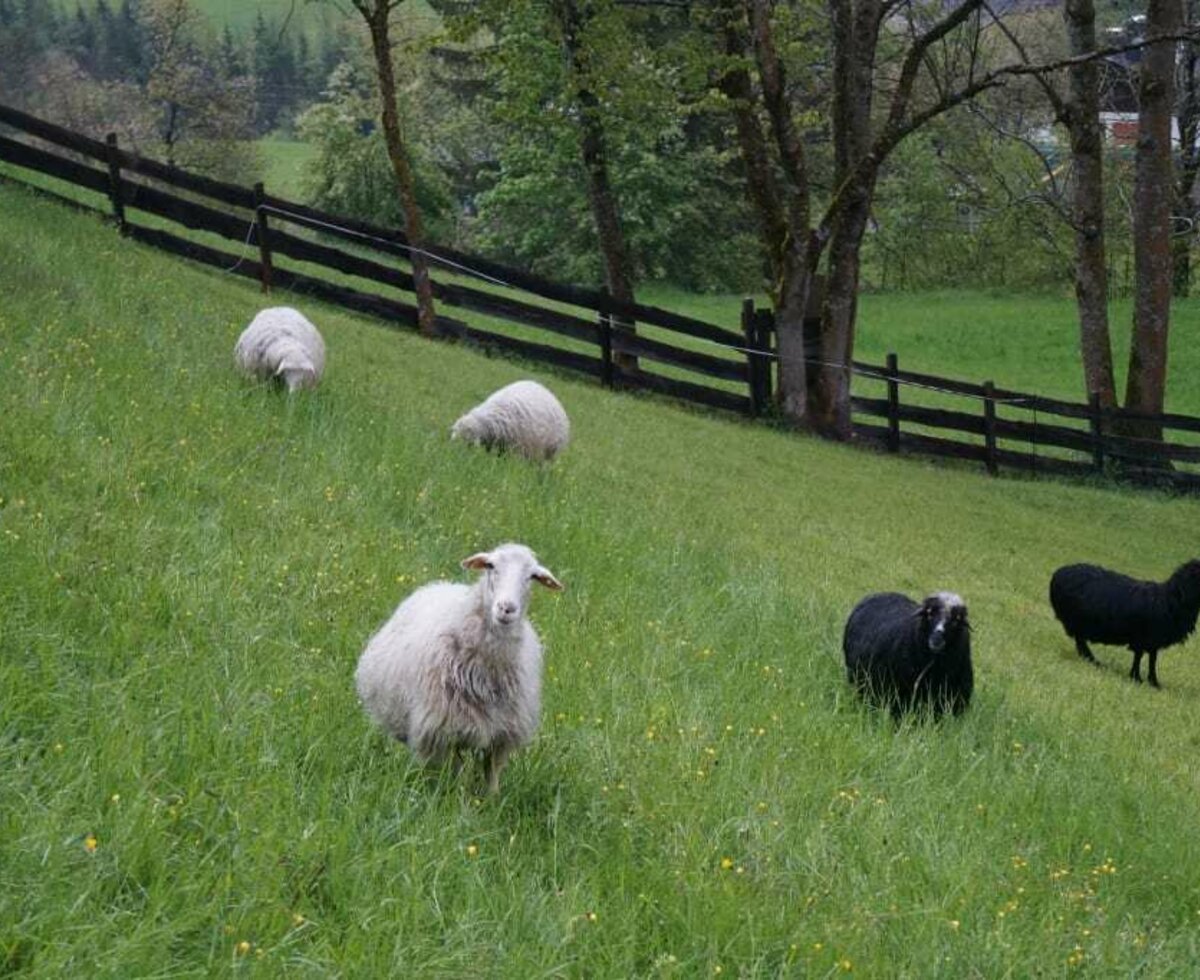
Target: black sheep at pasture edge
(1098, 605)
(906, 655)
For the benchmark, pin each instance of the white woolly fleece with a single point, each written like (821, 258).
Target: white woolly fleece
(460, 666)
(523, 416)
(281, 343)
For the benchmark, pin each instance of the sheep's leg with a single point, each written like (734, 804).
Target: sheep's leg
(1135, 671)
(1152, 673)
(496, 759)
(1084, 650)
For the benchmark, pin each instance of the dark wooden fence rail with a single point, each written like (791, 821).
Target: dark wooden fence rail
(1107, 446)
(252, 217)
(1008, 429)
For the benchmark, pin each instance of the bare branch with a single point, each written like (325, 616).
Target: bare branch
(1051, 93)
(997, 77)
(916, 56)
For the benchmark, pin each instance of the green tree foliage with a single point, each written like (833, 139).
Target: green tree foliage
(962, 205)
(944, 219)
(676, 181)
(351, 173)
(110, 44)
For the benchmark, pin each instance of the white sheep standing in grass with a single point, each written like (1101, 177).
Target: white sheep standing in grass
(459, 667)
(523, 416)
(281, 343)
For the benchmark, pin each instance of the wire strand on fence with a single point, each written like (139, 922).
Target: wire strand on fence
(751, 351)
(391, 243)
(1031, 402)
(245, 245)
(297, 217)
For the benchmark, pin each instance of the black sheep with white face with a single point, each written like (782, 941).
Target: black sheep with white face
(906, 655)
(1098, 605)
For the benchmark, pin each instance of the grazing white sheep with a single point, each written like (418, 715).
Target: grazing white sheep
(281, 343)
(460, 667)
(523, 416)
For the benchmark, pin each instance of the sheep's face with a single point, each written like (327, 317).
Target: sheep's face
(296, 371)
(945, 617)
(469, 429)
(508, 573)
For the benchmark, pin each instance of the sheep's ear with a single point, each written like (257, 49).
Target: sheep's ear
(481, 560)
(543, 575)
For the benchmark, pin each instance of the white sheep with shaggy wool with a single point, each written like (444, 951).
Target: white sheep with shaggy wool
(281, 343)
(523, 416)
(459, 668)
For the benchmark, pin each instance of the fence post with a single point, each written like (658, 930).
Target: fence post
(764, 324)
(114, 182)
(263, 232)
(893, 399)
(1095, 420)
(989, 428)
(753, 365)
(604, 327)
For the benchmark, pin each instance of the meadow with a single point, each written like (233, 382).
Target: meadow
(190, 565)
(312, 17)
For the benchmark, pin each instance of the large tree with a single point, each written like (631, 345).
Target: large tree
(574, 18)
(779, 183)
(202, 118)
(1188, 168)
(893, 66)
(377, 16)
(1080, 112)
(1153, 199)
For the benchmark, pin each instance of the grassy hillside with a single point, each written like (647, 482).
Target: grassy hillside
(191, 565)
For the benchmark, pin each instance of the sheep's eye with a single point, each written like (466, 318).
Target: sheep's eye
(489, 566)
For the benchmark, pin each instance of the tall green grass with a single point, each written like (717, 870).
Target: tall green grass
(190, 565)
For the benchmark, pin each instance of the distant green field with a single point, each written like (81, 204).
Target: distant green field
(1026, 342)
(301, 14)
(284, 162)
(190, 565)
(310, 16)
(307, 15)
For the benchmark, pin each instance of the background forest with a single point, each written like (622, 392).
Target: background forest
(243, 91)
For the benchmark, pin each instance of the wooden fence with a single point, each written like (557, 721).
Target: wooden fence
(1023, 431)
(577, 328)
(672, 354)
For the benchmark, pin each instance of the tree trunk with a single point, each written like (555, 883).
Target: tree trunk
(1153, 197)
(376, 16)
(1082, 112)
(782, 205)
(829, 400)
(855, 39)
(1189, 160)
(618, 269)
